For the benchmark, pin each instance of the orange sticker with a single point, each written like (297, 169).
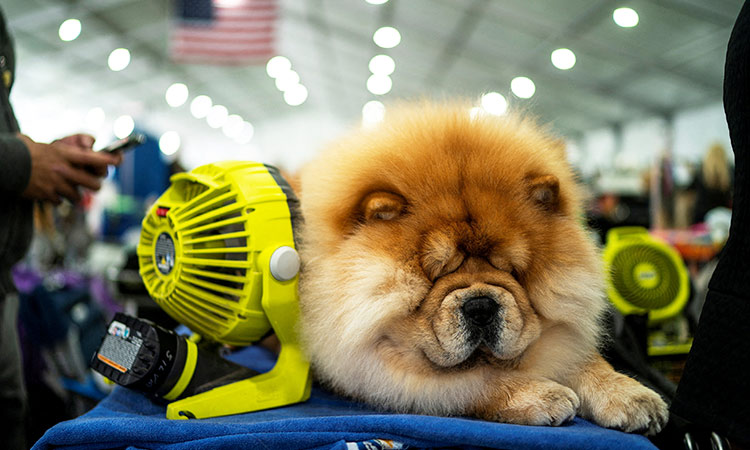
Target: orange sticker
(111, 363)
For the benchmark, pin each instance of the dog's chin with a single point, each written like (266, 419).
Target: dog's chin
(478, 355)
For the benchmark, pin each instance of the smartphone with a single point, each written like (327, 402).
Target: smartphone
(125, 144)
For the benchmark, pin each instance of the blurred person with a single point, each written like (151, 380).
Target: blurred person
(714, 392)
(29, 171)
(712, 183)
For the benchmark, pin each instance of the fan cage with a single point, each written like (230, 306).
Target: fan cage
(214, 288)
(625, 279)
(646, 275)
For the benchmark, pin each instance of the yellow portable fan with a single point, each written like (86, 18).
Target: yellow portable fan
(646, 275)
(217, 253)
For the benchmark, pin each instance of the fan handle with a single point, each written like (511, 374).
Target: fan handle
(289, 381)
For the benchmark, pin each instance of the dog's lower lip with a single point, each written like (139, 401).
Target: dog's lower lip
(480, 355)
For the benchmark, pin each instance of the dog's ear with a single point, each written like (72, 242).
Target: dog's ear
(544, 190)
(382, 205)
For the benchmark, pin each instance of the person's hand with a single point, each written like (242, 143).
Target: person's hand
(81, 140)
(59, 168)
(86, 142)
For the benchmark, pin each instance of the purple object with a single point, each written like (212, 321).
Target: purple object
(25, 278)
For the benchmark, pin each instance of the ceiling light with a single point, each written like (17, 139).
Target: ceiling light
(69, 30)
(523, 87)
(494, 103)
(372, 113)
(382, 65)
(286, 80)
(625, 17)
(118, 59)
(376, 2)
(176, 95)
(169, 143)
(233, 127)
(387, 37)
(277, 65)
(379, 84)
(295, 95)
(95, 117)
(123, 126)
(563, 58)
(200, 106)
(217, 116)
(246, 135)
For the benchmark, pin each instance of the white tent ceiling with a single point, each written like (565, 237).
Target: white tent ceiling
(671, 61)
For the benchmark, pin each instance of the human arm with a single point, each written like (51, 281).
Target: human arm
(59, 168)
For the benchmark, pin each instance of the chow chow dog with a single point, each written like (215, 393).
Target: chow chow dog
(447, 271)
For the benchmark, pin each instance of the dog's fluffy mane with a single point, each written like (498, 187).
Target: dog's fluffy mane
(432, 154)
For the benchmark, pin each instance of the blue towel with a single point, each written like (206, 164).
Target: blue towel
(127, 419)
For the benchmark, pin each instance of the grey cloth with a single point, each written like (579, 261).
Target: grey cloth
(12, 391)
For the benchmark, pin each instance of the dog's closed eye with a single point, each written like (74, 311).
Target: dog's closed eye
(383, 206)
(545, 191)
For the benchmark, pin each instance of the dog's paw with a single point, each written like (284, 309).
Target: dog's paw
(540, 402)
(627, 405)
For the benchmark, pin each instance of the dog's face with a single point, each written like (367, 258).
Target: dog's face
(440, 250)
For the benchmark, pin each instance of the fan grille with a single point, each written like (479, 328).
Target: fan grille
(652, 287)
(220, 218)
(215, 258)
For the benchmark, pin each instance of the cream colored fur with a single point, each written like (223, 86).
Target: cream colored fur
(407, 223)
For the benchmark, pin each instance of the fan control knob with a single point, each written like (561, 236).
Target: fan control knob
(284, 263)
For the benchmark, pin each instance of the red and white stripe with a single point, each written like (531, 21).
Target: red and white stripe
(238, 34)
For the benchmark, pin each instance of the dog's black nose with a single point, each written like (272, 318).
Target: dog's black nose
(480, 311)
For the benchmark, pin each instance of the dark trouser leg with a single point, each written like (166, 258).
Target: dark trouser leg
(13, 405)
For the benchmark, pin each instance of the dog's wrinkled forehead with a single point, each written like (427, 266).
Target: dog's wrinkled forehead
(457, 193)
(461, 171)
(440, 165)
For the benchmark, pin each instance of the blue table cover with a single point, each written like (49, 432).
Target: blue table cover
(127, 419)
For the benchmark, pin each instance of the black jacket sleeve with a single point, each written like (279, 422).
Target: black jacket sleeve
(15, 164)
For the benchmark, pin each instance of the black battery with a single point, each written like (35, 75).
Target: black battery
(141, 355)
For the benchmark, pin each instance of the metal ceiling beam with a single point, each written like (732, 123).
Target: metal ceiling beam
(593, 15)
(347, 33)
(327, 61)
(484, 64)
(514, 63)
(453, 48)
(704, 11)
(640, 65)
(581, 24)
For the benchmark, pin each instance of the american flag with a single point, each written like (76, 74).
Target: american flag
(223, 31)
